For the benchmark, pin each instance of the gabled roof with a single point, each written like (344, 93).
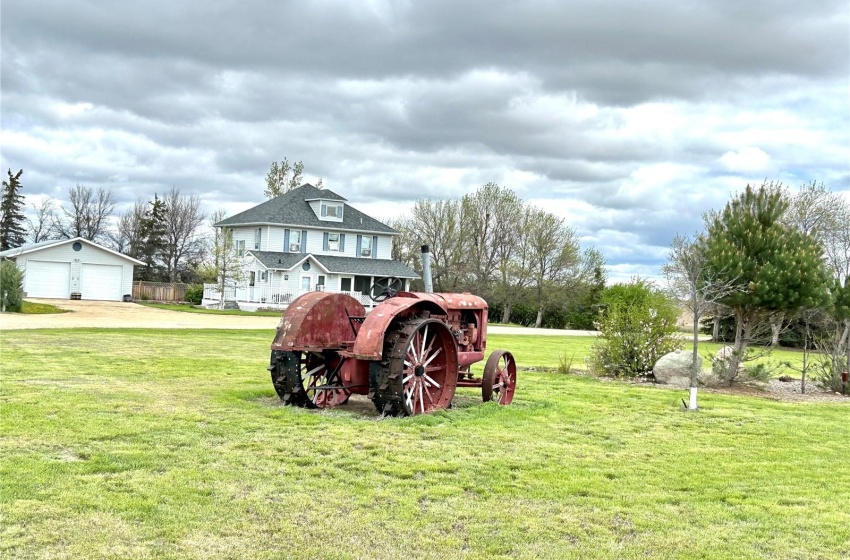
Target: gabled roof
(32, 247)
(273, 260)
(293, 209)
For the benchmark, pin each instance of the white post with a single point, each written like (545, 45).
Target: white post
(692, 405)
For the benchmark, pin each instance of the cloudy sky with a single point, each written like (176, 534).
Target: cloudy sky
(628, 118)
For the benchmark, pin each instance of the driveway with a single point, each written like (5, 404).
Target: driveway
(114, 315)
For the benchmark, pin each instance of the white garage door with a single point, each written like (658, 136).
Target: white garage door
(101, 281)
(48, 279)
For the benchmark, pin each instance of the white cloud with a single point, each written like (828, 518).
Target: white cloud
(746, 160)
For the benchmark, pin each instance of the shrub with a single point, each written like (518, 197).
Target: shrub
(11, 286)
(565, 363)
(827, 369)
(195, 293)
(636, 328)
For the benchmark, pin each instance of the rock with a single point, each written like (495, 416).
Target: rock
(674, 369)
(720, 367)
(724, 353)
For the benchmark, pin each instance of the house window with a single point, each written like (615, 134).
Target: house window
(264, 276)
(345, 284)
(253, 278)
(240, 248)
(320, 283)
(331, 210)
(294, 241)
(366, 247)
(333, 242)
(258, 236)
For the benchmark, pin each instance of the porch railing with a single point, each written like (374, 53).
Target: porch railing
(273, 297)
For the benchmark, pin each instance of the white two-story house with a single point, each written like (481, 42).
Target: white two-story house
(304, 240)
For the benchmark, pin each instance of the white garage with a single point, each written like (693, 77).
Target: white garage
(73, 268)
(47, 279)
(105, 280)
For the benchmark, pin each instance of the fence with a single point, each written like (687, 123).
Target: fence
(159, 291)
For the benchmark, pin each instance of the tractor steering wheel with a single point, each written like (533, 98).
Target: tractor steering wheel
(384, 288)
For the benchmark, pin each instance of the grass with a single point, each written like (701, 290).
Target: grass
(31, 308)
(545, 352)
(188, 308)
(172, 444)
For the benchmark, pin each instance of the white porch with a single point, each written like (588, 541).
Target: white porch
(251, 298)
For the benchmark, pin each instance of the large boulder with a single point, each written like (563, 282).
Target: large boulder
(720, 367)
(724, 354)
(674, 369)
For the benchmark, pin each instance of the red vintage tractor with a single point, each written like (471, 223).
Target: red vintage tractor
(409, 354)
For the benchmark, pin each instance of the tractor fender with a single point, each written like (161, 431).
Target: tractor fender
(370, 339)
(317, 321)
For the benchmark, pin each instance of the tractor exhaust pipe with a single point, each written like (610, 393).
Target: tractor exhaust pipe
(426, 269)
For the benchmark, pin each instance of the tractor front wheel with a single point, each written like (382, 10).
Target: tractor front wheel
(499, 381)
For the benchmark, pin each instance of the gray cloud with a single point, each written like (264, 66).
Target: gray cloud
(630, 119)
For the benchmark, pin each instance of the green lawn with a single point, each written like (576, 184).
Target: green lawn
(32, 308)
(545, 352)
(172, 444)
(187, 308)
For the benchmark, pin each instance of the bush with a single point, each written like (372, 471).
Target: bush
(827, 369)
(11, 286)
(636, 329)
(194, 293)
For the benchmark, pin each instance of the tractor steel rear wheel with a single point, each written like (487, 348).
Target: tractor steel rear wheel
(499, 381)
(309, 379)
(419, 370)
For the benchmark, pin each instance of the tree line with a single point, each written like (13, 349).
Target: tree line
(165, 233)
(170, 233)
(526, 262)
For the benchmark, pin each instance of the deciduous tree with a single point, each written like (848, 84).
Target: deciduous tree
(439, 224)
(283, 177)
(88, 214)
(691, 280)
(41, 226)
(555, 258)
(181, 219)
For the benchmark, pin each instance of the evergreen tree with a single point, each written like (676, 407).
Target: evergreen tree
(12, 229)
(779, 268)
(151, 241)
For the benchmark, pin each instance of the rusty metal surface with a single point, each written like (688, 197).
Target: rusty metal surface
(455, 310)
(370, 340)
(318, 321)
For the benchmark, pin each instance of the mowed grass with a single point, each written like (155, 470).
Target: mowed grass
(545, 352)
(32, 308)
(172, 444)
(188, 308)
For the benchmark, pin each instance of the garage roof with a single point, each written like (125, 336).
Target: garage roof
(32, 247)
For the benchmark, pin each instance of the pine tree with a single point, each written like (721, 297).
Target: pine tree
(780, 269)
(151, 241)
(12, 230)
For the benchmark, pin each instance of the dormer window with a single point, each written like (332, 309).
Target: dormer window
(332, 211)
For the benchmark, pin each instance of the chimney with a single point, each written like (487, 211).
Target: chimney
(426, 269)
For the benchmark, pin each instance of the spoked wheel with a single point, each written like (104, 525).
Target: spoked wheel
(309, 379)
(422, 369)
(499, 378)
